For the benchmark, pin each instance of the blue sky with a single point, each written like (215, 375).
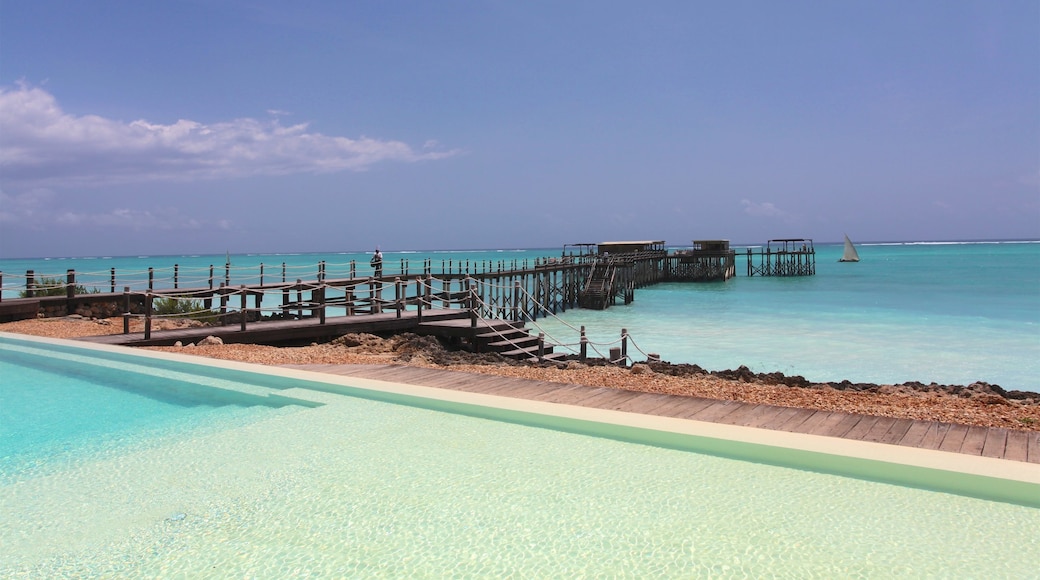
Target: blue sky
(259, 126)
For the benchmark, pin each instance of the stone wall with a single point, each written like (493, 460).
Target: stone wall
(90, 305)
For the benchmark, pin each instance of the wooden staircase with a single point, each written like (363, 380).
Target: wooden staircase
(508, 338)
(599, 290)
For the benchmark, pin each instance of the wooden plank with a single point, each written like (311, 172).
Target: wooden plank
(712, 413)
(1017, 448)
(592, 394)
(684, 407)
(534, 390)
(815, 420)
(501, 386)
(646, 403)
(861, 428)
(559, 395)
(897, 431)
(934, 437)
(573, 395)
(741, 414)
(799, 417)
(880, 428)
(780, 417)
(1033, 448)
(915, 434)
(834, 425)
(605, 399)
(954, 438)
(996, 443)
(974, 440)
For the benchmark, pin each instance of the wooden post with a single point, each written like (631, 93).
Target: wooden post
(148, 315)
(428, 292)
(223, 304)
(375, 293)
(211, 276)
(541, 346)
(176, 272)
(472, 299)
(539, 298)
(320, 291)
(299, 298)
(283, 272)
(151, 278)
(126, 310)
(70, 291)
(227, 273)
(1, 285)
(583, 348)
(418, 299)
(516, 300)
(398, 295)
(261, 274)
(348, 297)
(30, 283)
(245, 309)
(113, 280)
(624, 346)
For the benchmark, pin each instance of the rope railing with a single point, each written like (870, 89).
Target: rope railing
(622, 341)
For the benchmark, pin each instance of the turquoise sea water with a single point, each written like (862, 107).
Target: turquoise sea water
(952, 313)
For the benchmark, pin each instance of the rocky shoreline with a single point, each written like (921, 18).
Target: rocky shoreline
(980, 403)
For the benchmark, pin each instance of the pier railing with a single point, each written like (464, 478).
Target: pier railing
(483, 300)
(176, 277)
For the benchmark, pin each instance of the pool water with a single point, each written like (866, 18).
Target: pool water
(342, 485)
(58, 406)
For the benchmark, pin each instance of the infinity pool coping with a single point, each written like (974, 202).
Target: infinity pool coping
(989, 467)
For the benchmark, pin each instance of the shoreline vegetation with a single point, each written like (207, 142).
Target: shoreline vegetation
(978, 404)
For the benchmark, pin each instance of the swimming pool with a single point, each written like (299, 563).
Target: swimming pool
(352, 477)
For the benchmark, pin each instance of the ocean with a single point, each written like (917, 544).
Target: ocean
(951, 312)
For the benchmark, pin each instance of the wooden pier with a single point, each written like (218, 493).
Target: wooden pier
(266, 302)
(618, 268)
(783, 257)
(706, 261)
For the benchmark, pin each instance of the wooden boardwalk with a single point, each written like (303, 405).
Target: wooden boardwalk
(299, 331)
(998, 443)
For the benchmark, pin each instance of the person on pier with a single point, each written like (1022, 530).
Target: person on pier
(377, 263)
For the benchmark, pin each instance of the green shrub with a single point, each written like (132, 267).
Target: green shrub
(194, 309)
(56, 287)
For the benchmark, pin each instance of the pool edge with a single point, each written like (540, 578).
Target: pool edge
(1019, 481)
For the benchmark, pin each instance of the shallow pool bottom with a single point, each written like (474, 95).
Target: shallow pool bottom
(356, 486)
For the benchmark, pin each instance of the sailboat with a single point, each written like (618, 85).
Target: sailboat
(850, 255)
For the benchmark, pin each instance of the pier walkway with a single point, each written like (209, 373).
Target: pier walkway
(1008, 444)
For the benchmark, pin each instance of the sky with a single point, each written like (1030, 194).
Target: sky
(131, 127)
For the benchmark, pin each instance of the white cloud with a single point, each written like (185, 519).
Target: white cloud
(766, 209)
(42, 146)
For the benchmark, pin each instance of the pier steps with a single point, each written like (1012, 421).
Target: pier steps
(511, 339)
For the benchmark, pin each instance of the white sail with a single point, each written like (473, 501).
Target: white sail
(850, 255)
